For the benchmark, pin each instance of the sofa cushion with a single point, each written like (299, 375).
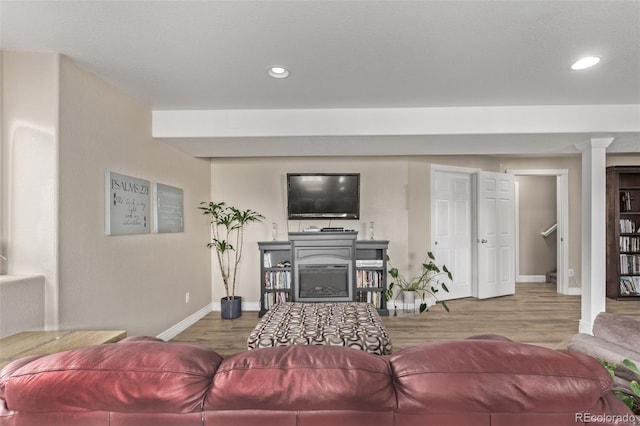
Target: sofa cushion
(495, 376)
(302, 378)
(135, 376)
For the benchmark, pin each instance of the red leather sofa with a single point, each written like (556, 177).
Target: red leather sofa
(140, 382)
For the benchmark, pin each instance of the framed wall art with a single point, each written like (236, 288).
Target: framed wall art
(168, 209)
(127, 201)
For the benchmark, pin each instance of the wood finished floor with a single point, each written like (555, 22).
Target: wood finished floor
(536, 314)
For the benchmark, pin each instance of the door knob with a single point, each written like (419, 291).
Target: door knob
(483, 241)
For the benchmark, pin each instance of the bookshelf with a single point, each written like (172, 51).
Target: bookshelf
(623, 232)
(371, 273)
(276, 284)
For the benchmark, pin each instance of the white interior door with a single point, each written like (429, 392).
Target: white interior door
(496, 234)
(451, 228)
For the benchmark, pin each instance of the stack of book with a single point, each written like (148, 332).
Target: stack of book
(630, 286)
(365, 278)
(629, 264)
(627, 226)
(373, 297)
(369, 263)
(277, 280)
(271, 299)
(630, 244)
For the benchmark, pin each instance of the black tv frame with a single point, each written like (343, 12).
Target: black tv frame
(319, 216)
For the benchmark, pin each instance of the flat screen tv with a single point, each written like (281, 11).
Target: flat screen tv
(323, 195)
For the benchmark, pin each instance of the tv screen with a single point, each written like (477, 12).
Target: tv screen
(323, 196)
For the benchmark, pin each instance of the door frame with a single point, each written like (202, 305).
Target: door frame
(562, 216)
(473, 173)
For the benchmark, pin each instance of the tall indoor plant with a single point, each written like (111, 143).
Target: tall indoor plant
(428, 283)
(227, 225)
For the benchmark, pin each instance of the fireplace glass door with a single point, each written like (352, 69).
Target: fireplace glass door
(323, 283)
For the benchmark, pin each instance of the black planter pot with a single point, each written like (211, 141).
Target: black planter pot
(231, 308)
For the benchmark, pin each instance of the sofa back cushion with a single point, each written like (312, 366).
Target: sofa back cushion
(301, 377)
(135, 376)
(495, 376)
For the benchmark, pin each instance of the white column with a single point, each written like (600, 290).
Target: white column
(593, 230)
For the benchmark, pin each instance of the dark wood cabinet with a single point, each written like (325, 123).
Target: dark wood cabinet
(623, 232)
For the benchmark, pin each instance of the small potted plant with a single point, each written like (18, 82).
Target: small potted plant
(227, 238)
(428, 283)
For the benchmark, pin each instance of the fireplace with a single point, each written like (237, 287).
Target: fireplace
(323, 268)
(323, 283)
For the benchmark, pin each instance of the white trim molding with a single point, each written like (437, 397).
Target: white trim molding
(178, 328)
(531, 279)
(486, 120)
(574, 291)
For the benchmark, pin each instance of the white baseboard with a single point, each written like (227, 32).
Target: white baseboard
(573, 291)
(246, 306)
(531, 279)
(178, 328)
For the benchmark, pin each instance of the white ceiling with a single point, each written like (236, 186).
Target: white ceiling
(214, 55)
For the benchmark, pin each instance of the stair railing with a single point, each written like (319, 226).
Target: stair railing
(549, 231)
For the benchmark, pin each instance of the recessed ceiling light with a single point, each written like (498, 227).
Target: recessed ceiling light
(586, 62)
(278, 72)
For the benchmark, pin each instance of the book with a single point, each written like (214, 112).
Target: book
(627, 286)
(369, 263)
(627, 226)
(626, 201)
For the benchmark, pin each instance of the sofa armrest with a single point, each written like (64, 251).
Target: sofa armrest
(609, 352)
(618, 329)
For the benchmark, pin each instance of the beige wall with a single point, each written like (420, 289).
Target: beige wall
(3, 202)
(623, 160)
(132, 282)
(419, 239)
(30, 143)
(537, 212)
(260, 184)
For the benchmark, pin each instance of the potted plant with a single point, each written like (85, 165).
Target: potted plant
(631, 395)
(428, 283)
(227, 238)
